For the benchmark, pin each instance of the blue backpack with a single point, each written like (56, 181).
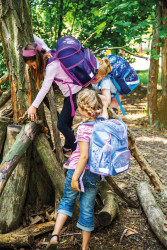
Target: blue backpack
(108, 152)
(79, 64)
(123, 76)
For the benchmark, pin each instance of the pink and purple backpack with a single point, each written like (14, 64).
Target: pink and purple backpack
(79, 64)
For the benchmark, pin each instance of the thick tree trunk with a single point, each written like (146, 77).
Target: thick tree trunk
(163, 102)
(13, 197)
(25, 236)
(18, 149)
(153, 212)
(153, 72)
(110, 209)
(16, 31)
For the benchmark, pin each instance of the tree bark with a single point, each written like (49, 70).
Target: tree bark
(50, 162)
(3, 126)
(18, 149)
(56, 133)
(5, 97)
(153, 71)
(13, 197)
(4, 79)
(110, 209)
(153, 212)
(6, 110)
(25, 236)
(163, 101)
(16, 31)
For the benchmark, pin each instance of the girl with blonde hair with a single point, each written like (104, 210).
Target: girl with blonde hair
(79, 180)
(115, 77)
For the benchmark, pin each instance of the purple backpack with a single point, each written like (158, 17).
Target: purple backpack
(79, 64)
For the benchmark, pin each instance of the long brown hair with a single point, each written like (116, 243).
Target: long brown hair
(41, 59)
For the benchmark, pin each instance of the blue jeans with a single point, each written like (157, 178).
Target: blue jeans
(91, 183)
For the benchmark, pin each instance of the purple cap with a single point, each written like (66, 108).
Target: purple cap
(32, 52)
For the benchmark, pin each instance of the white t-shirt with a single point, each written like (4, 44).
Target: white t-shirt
(106, 83)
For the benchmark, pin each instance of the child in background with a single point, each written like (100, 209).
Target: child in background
(126, 80)
(37, 57)
(103, 84)
(78, 175)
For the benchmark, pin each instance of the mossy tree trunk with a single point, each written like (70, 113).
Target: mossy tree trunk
(16, 32)
(163, 102)
(154, 70)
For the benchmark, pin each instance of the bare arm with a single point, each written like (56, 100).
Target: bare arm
(84, 153)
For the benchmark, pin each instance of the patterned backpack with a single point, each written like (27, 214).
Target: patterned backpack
(108, 152)
(79, 64)
(123, 76)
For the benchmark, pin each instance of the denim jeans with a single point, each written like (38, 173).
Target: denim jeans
(91, 183)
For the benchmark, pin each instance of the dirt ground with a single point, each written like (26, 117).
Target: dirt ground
(153, 144)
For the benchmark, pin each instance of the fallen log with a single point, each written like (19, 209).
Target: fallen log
(4, 79)
(139, 156)
(54, 119)
(120, 193)
(25, 236)
(5, 97)
(110, 209)
(155, 216)
(3, 126)
(13, 197)
(20, 146)
(50, 162)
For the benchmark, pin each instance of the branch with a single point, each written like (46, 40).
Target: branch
(133, 54)
(4, 79)
(89, 39)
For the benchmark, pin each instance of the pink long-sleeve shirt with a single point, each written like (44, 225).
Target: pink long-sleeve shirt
(54, 70)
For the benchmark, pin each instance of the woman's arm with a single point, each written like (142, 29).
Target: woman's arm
(84, 154)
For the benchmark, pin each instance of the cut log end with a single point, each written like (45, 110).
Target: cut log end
(104, 218)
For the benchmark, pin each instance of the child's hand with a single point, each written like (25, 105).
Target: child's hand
(32, 113)
(75, 185)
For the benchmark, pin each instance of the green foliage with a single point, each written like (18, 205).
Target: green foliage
(115, 23)
(3, 69)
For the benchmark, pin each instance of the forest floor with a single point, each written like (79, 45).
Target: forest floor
(153, 144)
